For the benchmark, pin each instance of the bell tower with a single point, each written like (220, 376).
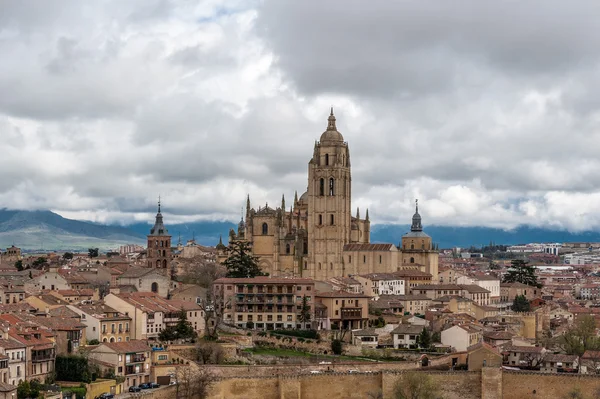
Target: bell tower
(329, 188)
(159, 245)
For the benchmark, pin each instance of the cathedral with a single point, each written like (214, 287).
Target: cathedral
(318, 237)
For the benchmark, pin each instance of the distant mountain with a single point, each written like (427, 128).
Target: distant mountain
(207, 233)
(32, 230)
(464, 237)
(46, 230)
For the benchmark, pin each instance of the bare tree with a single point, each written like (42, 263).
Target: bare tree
(193, 382)
(213, 315)
(209, 352)
(534, 359)
(415, 385)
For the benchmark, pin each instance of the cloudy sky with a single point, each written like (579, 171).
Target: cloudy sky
(485, 111)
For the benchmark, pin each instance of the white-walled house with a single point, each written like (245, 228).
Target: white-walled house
(405, 335)
(376, 284)
(460, 337)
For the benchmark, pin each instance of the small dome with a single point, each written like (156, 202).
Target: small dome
(331, 134)
(304, 197)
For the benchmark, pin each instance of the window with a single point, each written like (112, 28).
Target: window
(349, 259)
(308, 288)
(154, 287)
(379, 259)
(326, 159)
(322, 187)
(287, 249)
(240, 317)
(319, 265)
(331, 186)
(331, 266)
(331, 219)
(364, 259)
(320, 220)
(265, 229)
(412, 260)
(289, 318)
(412, 246)
(279, 317)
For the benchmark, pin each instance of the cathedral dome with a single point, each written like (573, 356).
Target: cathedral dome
(331, 134)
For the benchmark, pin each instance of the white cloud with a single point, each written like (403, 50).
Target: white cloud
(486, 113)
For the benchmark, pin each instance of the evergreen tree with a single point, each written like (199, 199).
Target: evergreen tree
(521, 272)
(521, 304)
(19, 265)
(304, 316)
(425, 338)
(240, 262)
(93, 252)
(184, 328)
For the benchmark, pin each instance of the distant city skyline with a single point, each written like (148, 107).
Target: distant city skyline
(488, 115)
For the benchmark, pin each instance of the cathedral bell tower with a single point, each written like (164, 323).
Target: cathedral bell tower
(329, 188)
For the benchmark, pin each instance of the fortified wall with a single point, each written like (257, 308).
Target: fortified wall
(490, 383)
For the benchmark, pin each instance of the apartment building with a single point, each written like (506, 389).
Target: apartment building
(150, 313)
(104, 323)
(264, 303)
(13, 357)
(339, 309)
(130, 360)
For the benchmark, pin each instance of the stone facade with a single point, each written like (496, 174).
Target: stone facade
(319, 237)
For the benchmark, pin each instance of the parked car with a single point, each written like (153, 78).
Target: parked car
(315, 372)
(105, 395)
(145, 386)
(353, 371)
(154, 385)
(134, 389)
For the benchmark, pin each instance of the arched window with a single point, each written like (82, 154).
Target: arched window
(265, 229)
(287, 249)
(154, 287)
(331, 220)
(320, 220)
(331, 186)
(305, 265)
(164, 252)
(422, 246)
(326, 159)
(104, 340)
(412, 246)
(162, 244)
(412, 260)
(112, 339)
(322, 187)
(165, 264)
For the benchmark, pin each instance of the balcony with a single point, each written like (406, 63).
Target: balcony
(351, 313)
(134, 369)
(135, 359)
(42, 356)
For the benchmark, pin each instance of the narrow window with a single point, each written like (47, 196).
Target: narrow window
(319, 265)
(412, 260)
(326, 159)
(265, 229)
(322, 187)
(320, 220)
(287, 249)
(331, 186)
(331, 219)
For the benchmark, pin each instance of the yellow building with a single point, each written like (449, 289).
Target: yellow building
(318, 237)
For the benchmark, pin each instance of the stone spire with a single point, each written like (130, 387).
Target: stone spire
(367, 217)
(357, 213)
(283, 202)
(295, 197)
(159, 228)
(416, 219)
(331, 121)
(248, 203)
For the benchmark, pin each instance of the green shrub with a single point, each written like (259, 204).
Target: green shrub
(336, 347)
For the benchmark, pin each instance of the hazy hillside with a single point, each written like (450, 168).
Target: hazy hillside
(207, 233)
(47, 230)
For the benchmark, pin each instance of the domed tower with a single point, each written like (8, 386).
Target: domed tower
(417, 249)
(159, 253)
(329, 188)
